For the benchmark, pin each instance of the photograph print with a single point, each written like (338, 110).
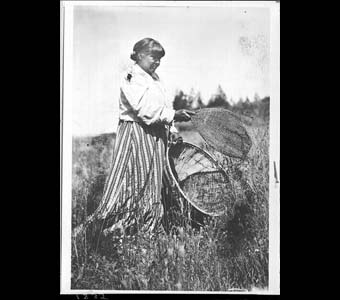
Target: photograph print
(170, 160)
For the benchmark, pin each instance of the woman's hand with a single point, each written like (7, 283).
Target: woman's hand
(175, 138)
(183, 115)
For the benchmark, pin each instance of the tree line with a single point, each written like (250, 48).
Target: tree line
(257, 108)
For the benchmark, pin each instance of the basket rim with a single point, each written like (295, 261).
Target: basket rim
(177, 184)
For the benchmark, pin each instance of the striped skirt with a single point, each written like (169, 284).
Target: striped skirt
(132, 192)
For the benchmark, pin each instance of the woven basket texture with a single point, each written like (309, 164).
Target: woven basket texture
(223, 130)
(201, 181)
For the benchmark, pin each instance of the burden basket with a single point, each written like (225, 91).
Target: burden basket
(199, 179)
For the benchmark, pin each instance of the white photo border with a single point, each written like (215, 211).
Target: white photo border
(66, 56)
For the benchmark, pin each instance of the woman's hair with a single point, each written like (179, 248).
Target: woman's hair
(147, 46)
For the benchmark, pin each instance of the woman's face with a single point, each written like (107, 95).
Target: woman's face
(149, 62)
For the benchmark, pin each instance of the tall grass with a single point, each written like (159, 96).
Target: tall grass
(229, 252)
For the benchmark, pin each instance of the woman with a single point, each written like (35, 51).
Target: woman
(132, 193)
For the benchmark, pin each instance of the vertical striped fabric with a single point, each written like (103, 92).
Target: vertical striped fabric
(132, 192)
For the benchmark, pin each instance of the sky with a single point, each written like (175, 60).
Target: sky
(205, 47)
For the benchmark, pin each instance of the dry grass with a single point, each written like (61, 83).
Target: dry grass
(226, 253)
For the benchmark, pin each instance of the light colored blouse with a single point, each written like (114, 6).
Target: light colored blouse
(144, 99)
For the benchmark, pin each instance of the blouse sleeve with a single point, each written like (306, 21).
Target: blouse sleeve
(145, 100)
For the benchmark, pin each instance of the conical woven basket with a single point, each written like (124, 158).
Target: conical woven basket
(223, 130)
(199, 179)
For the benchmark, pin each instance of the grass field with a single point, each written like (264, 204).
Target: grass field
(227, 253)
